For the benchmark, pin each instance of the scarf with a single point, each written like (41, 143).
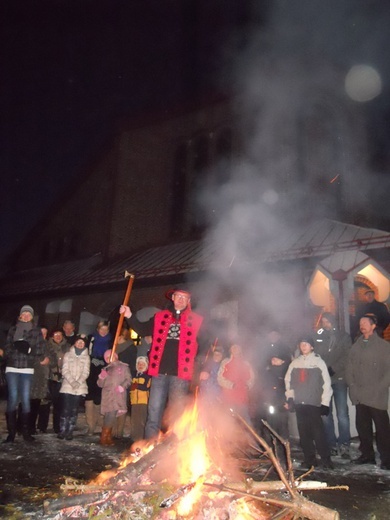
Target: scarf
(21, 328)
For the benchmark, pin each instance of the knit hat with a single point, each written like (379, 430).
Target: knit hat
(143, 359)
(27, 308)
(307, 339)
(83, 338)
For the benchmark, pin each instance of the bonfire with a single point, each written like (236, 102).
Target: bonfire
(197, 470)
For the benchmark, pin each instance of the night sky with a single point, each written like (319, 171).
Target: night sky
(71, 71)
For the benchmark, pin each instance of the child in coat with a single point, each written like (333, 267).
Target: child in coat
(114, 379)
(139, 397)
(75, 370)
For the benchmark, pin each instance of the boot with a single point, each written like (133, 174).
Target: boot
(71, 427)
(63, 427)
(26, 428)
(19, 428)
(90, 416)
(119, 427)
(11, 426)
(106, 437)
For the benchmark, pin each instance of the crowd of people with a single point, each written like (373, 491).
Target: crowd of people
(61, 368)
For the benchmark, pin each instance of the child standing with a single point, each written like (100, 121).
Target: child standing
(308, 393)
(139, 397)
(208, 377)
(75, 370)
(114, 379)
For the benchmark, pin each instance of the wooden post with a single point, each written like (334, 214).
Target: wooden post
(122, 316)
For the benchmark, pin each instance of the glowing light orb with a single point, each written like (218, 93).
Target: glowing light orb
(363, 83)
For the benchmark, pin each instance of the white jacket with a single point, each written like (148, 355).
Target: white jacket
(75, 370)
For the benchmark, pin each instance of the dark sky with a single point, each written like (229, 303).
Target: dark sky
(71, 70)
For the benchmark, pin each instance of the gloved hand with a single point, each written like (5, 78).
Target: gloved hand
(23, 347)
(119, 389)
(103, 374)
(324, 410)
(331, 371)
(291, 404)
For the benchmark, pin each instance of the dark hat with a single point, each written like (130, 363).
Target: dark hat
(306, 339)
(171, 292)
(82, 337)
(27, 308)
(330, 317)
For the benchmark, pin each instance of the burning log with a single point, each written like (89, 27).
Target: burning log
(168, 502)
(300, 505)
(187, 491)
(130, 474)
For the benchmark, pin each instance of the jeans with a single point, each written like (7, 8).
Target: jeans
(164, 387)
(19, 386)
(340, 396)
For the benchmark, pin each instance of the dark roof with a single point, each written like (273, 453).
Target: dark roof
(320, 239)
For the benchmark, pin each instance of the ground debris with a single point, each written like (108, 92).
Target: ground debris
(151, 484)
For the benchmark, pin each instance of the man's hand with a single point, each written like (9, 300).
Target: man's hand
(45, 362)
(124, 309)
(203, 376)
(275, 361)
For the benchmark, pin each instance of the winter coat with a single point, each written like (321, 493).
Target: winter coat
(333, 346)
(75, 370)
(272, 378)
(117, 375)
(368, 372)
(57, 352)
(139, 390)
(17, 360)
(210, 387)
(39, 385)
(127, 353)
(308, 382)
(236, 377)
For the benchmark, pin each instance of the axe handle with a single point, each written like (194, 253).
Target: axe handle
(122, 316)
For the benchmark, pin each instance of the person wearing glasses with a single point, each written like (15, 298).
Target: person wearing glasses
(175, 333)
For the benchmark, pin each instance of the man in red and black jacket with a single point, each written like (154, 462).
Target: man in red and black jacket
(175, 333)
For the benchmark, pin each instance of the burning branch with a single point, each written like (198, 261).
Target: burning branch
(185, 492)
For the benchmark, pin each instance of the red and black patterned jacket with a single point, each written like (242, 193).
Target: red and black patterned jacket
(158, 327)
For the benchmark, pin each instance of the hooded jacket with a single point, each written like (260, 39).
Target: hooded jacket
(308, 382)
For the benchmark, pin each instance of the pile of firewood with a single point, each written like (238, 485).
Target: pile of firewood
(141, 490)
